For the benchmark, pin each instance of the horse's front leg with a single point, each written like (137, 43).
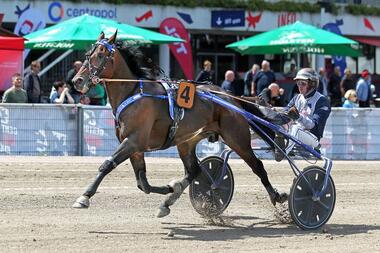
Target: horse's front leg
(123, 152)
(187, 154)
(139, 167)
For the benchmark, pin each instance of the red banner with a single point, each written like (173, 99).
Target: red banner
(10, 60)
(180, 50)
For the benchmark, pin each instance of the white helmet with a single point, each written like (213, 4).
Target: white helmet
(308, 74)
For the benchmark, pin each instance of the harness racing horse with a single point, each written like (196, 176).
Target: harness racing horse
(144, 125)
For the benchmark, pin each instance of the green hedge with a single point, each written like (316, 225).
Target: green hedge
(243, 4)
(362, 10)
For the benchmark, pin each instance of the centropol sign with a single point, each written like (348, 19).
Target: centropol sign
(56, 12)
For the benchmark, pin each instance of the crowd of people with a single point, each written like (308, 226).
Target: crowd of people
(340, 90)
(28, 89)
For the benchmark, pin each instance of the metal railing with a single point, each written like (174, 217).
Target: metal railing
(46, 129)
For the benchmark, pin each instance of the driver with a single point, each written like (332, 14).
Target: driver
(309, 111)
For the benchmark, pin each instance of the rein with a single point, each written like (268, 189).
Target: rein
(109, 80)
(94, 75)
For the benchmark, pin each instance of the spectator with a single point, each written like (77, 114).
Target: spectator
(323, 83)
(84, 100)
(206, 75)
(248, 80)
(69, 77)
(227, 84)
(97, 95)
(32, 83)
(292, 71)
(263, 78)
(273, 95)
(15, 94)
(334, 87)
(60, 94)
(350, 101)
(347, 82)
(363, 89)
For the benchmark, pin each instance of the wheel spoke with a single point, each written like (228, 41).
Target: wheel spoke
(309, 212)
(323, 205)
(224, 187)
(302, 198)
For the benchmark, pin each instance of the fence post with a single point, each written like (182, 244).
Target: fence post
(80, 129)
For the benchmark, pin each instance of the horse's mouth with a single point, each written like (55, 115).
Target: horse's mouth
(79, 84)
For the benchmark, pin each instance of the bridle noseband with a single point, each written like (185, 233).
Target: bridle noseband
(95, 71)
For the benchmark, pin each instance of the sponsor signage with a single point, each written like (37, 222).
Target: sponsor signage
(227, 18)
(57, 11)
(203, 19)
(181, 50)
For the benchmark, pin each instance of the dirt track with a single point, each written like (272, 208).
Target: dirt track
(36, 194)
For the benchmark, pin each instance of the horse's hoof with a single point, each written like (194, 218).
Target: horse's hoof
(283, 197)
(82, 202)
(278, 198)
(163, 211)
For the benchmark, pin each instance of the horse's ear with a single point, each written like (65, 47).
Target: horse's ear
(112, 39)
(101, 36)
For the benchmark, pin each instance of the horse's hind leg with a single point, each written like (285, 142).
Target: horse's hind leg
(138, 164)
(187, 154)
(237, 137)
(123, 152)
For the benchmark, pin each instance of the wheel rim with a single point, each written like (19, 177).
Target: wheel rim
(309, 212)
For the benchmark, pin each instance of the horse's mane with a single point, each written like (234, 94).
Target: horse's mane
(140, 65)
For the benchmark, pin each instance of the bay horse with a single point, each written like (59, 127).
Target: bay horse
(144, 125)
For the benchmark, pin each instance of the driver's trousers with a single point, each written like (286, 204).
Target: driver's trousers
(303, 135)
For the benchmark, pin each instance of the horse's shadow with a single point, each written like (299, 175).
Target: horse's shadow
(259, 227)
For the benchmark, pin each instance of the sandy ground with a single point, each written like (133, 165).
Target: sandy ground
(36, 194)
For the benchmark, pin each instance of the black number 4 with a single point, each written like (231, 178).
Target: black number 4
(185, 94)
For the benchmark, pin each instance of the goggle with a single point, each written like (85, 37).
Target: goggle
(302, 82)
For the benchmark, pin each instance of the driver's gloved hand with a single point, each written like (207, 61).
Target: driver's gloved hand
(293, 113)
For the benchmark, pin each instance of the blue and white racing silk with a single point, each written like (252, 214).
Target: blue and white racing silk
(314, 110)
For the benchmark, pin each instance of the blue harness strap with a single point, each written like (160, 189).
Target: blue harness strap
(133, 99)
(169, 90)
(176, 113)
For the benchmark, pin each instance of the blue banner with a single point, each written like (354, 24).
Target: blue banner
(227, 18)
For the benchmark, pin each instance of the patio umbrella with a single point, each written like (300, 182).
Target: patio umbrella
(82, 31)
(297, 38)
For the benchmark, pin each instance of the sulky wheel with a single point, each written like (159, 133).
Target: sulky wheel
(306, 211)
(207, 200)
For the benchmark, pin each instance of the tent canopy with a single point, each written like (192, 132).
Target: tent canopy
(82, 31)
(297, 38)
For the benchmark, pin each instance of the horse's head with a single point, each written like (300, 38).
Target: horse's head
(98, 64)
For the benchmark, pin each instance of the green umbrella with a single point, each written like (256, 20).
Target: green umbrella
(82, 31)
(297, 38)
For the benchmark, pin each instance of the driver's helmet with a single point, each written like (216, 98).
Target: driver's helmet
(310, 75)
